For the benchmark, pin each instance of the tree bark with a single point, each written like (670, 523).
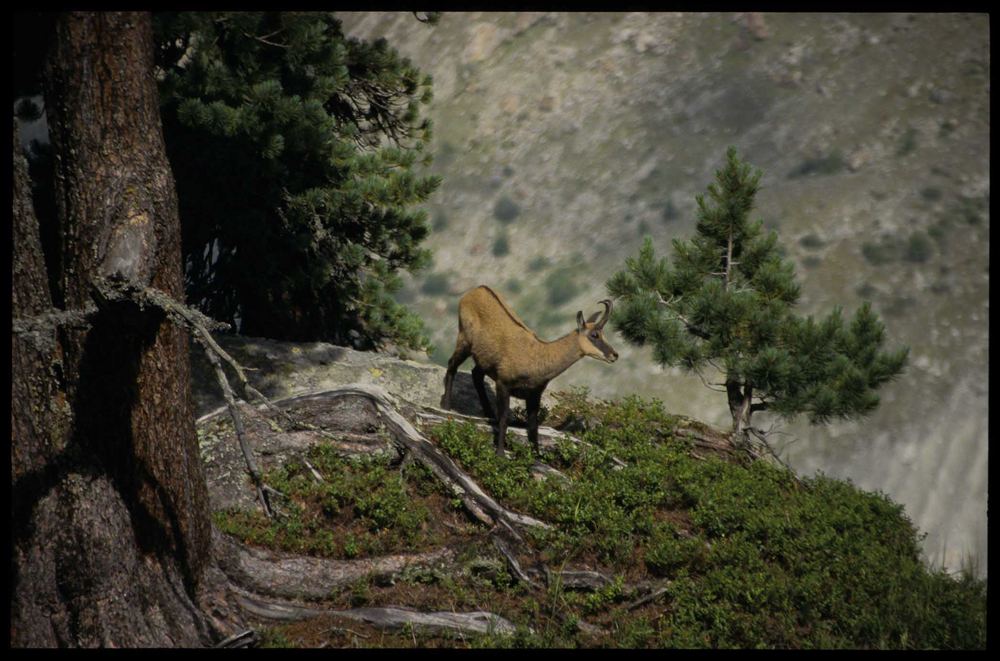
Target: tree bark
(111, 528)
(740, 399)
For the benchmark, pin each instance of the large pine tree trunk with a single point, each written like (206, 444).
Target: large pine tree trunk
(111, 529)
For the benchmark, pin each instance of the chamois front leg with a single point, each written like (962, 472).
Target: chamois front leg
(461, 353)
(479, 380)
(503, 409)
(534, 403)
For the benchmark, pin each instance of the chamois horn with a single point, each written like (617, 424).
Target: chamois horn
(608, 305)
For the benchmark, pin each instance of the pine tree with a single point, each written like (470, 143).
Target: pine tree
(727, 301)
(296, 152)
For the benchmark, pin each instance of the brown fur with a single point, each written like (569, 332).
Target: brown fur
(519, 362)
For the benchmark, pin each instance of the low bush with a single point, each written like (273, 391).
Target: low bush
(918, 248)
(506, 209)
(756, 557)
(435, 284)
(820, 165)
(560, 286)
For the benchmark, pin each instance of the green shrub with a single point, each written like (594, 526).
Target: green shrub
(753, 556)
(271, 637)
(539, 263)
(506, 210)
(667, 551)
(819, 165)
(907, 142)
(501, 245)
(939, 232)
(367, 496)
(435, 284)
(931, 194)
(604, 597)
(560, 286)
(811, 261)
(866, 291)
(880, 253)
(811, 241)
(918, 248)
(765, 560)
(971, 209)
(670, 211)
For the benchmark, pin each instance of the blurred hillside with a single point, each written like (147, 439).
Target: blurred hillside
(563, 139)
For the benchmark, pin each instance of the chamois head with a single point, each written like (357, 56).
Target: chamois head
(590, 334)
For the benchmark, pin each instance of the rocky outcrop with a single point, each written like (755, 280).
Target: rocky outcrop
(283, 369)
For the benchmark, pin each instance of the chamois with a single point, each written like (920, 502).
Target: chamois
(518, 361)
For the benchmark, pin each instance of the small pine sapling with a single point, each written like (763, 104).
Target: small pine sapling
(727, 301)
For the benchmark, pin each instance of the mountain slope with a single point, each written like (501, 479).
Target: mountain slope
(635, 527)
(565, 138)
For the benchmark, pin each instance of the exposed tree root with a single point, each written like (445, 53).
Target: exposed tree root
(247, 638)
(649, 598)
(479, 504)
(542, 471)
(387, 618)
(705, 440)
(272, 586)
(271, 573)
(513, 566)
(280, 586)
(589, 581)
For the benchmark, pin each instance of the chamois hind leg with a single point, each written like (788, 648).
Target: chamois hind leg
(503, 409)
(462, 351)
(534, 403)
(479, 380)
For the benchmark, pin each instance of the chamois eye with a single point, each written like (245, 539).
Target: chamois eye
(593, 335)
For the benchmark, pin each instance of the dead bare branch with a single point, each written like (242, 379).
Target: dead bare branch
(512, 564)
(246, 638)
(652, 596)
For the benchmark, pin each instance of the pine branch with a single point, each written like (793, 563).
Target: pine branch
(264, 40)
(719, 369)
(706, 383)
(691, 328)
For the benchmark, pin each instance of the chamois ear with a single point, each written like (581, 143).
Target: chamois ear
(579, 321)
(594, 317)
